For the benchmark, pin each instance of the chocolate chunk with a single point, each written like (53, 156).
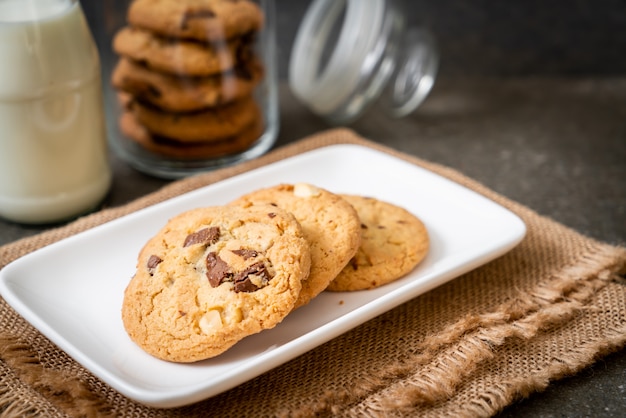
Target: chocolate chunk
(245, 286)
(244, 51)
(271, 214)
(154, 92)
(363, 226)
(245, 254)
(354, 263)
(243, 283)
(242, 72)
(196, 14)
(206, 236)
(142, 90)
(153, 261)
(217, 269)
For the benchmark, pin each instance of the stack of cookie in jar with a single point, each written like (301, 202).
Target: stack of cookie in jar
(186, 76)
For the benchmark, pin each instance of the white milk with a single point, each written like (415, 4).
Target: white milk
(53, 151)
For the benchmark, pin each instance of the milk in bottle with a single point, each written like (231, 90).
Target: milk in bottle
(53, 151)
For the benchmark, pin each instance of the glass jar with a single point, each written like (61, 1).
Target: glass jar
(349, 54)
(53, 150)
(189, 87)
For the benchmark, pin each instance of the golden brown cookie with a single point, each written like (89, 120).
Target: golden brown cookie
(330, 225)
(196, 19)
(176, 93)
(212, 276)
(189, 151)
(393, 242)
(211, 124)
(180, 57)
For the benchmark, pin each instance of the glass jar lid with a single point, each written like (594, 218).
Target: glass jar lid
(349, 53)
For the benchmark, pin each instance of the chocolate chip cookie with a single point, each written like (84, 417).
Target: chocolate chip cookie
(178, 56)
(201, 20)
(211, 124)
(393, 242)
(189, 151)
(212, 276)
(176, 93)
(330, 225)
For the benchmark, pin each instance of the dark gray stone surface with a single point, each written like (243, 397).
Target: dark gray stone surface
(515, 37)
(486, 37)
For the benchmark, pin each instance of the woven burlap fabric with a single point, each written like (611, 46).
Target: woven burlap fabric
(546, 309)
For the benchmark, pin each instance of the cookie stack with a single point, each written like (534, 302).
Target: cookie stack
(214, 275)
(187, 74)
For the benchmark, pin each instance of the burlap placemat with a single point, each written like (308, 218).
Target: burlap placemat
(546, 309)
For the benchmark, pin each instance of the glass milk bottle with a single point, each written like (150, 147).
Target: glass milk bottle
(53, 149)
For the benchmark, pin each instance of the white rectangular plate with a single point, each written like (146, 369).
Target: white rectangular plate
(72, 290)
